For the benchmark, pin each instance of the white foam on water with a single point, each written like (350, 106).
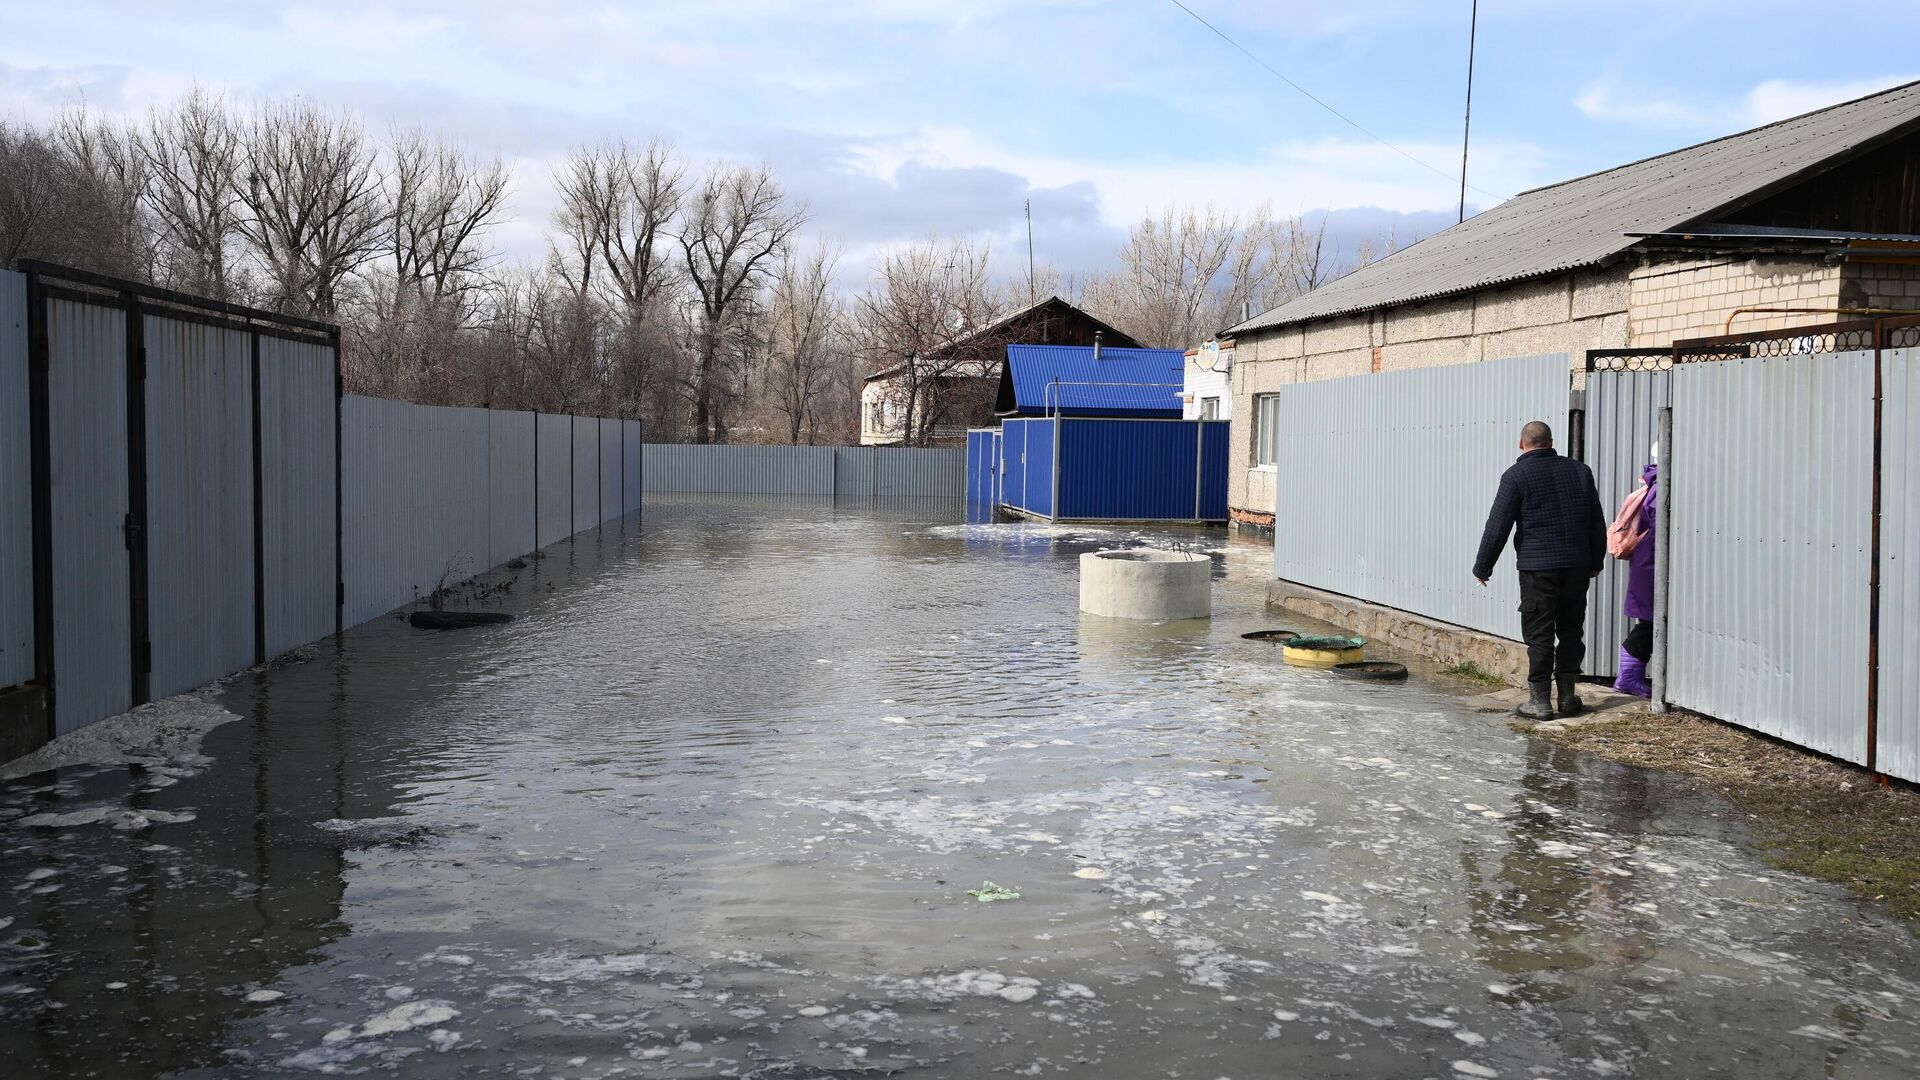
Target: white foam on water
(163, 736)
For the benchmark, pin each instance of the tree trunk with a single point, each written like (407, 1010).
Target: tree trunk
(703, 384)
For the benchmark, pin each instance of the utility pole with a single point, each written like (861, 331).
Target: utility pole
(1466, 127)
(1032, 299)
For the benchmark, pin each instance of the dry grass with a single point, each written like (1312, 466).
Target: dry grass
(1473, 673)
(1819, 817)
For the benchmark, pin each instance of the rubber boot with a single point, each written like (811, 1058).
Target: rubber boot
(1539, 704)
(1570, 703)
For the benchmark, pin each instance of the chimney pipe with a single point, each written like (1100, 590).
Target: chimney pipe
(1096, 346)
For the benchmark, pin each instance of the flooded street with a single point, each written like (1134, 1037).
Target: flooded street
(712, 806)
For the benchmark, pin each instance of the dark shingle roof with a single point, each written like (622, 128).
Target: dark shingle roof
(1585, 222)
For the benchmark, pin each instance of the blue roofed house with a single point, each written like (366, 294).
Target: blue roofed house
(1090, 380)
(1090, 433)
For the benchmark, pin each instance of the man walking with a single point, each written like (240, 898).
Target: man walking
(1560, 546)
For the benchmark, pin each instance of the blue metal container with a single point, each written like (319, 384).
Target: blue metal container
(1114, 469)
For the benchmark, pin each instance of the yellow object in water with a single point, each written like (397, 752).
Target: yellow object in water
(1324, 652)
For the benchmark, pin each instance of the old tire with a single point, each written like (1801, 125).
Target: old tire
(456, 620)
(1375, 670)
(1271, 637)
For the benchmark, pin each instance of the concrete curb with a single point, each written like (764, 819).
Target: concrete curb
(1415, 634)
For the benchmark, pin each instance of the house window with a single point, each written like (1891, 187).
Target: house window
(877, 416)
(1266, 429)
(1209, 408)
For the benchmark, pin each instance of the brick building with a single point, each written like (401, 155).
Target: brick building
(1819, 214)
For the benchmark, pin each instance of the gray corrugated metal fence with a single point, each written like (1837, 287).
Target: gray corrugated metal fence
(1623, 415)
(1384, 480)
(199, 399)
(554, 490)
(16, 487)
(510, 481)
(586, 472)
(297, 486)
(87, 421)
(631, 449)
(812, 471)
(193, 476)
(1771, 480)
(416, 501)
(1899, 697)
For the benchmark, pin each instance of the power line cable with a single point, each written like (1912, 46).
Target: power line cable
(1310, 96)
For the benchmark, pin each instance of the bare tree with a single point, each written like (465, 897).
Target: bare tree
(443, 203)
(924, 301)
(192, 154)
(105, 179)
(33, 210)
(1301, 251)
(315, 209)
(804, 316)
(1188, 272)
(736, 224)
(617, 205)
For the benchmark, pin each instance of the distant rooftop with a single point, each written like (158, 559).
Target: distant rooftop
(1592, 220)
(1107, 331)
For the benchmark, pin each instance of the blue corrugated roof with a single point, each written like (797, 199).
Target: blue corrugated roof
(1122, 382)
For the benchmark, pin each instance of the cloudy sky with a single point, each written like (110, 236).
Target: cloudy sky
(899, 119)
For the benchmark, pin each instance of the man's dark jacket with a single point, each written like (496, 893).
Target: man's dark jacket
(1553, 501)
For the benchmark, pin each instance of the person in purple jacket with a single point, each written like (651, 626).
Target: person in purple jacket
(1638, 647)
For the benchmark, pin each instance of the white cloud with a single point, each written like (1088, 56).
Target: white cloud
(1290, 175)
(1774, 99)
(1777, 99)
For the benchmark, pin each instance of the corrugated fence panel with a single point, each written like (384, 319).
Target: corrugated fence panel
(1040, 466)
(555, 439)
(1360, 457)
(1213, 472)
(373, 475)
(16, 486)
(418, 501)
(87, 414)
(920, 472)
(1899, 713)
(586, 473)
(199, 392)
(510, 527)
(1623, 419)
(1013, 463)
(611, 462)
(740, 470)
(1767, 598)
(854, 470)
(632, 450)
(1129, 470)
(297, 490)
(979, 466)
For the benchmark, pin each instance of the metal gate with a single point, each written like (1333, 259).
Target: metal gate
(1626, 389)
(157, 504)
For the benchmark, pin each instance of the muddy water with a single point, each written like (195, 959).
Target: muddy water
(712, 807)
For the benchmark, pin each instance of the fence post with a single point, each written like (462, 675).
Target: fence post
(259, 514)
(136, 525)
(1662, 561)
(339, 486)
(1873, 565)
(39, 394)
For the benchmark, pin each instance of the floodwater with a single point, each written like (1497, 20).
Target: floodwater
(713, 804)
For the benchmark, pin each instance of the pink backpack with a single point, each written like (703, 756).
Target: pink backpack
(1626, 532)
